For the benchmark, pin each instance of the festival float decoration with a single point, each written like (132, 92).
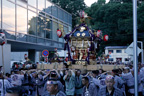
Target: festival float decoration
(82, 43)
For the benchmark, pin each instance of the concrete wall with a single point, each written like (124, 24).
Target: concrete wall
(7, 57)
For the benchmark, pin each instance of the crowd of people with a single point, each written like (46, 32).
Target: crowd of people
(69, 82)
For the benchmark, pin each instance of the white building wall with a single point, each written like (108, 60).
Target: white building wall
(115, 55)
(19, 56)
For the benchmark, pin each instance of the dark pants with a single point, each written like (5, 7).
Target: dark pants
(78, 95)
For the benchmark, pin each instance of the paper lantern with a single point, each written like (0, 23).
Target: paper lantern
(99, 33)
(105, 37)
(59, 33)
(82, 14)
(2, 38)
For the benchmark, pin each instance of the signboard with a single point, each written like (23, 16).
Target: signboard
(129, 50)
(45, 53)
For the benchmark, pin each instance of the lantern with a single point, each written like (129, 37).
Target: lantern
(55, 49)
(59, 33)
(82, 14)
(105, 37)
(2, 38)
(99, 32)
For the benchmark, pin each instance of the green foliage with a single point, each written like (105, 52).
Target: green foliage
(114, 19)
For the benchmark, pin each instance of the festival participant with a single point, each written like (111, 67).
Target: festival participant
(89, 88)
(119, 83)
(95, 80)
(4, 84)
(53, 75)
(16, 78)
(52, 88)
(69, 79)
(109, 89)
(78, 83)
(129, 80)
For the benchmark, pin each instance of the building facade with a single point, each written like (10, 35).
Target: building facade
(34, 21)
(117, 53)
(30, 26)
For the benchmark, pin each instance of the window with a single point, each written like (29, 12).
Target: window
(54, 10)
(60, 13)
(118, 51)
(48, 7)
(0, 15)
(8, 15)
(48, 28)
(41, 4)
(62, 29)
(54, 34)
(32, 3)
(110, 59)
(110, 51)
(41, 26)
(21, 20)
(22, 3)
(32, 19)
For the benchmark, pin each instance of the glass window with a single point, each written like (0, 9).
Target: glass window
(70, 19)
(69, 29)
(110, 51)
(21, 20)
(32, 3)
(65, 17)
(41, 13)
(0, 15)
(118, 51)
(32, 19)
(65, 29)
(54, 10)
(48, 7)
(21, 37)
(41, 4)
(8, 15)
(31, 39)
(60, 13)
(110, 59)
(55, 27)
(41, 26)
(10, 34)
(48, 28)
(62, 29)
(22, 3)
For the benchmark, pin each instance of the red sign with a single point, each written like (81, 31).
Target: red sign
(45, 53)
(59, 33)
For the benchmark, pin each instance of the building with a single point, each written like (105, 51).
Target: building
(30, 26)
(117, 53)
